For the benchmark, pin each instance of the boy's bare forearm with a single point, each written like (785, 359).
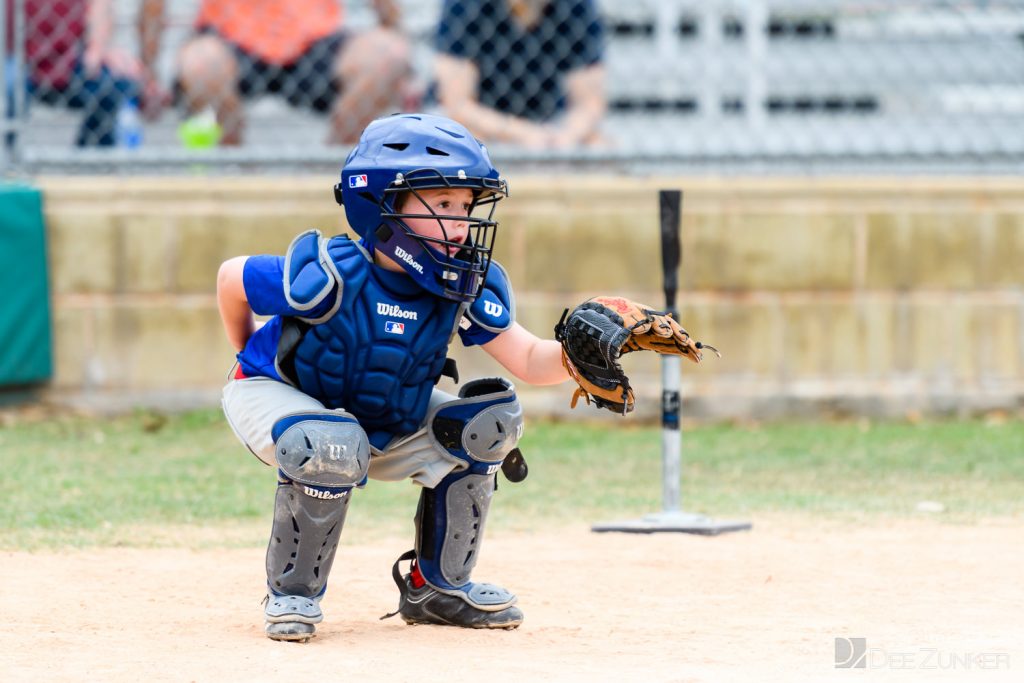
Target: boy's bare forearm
(531, 359)
(544, 363)
(235, 313)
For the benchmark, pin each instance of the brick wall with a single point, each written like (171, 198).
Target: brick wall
(852, 295)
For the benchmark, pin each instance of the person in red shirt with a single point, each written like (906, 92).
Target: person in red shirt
(69, 60)
(298, 49)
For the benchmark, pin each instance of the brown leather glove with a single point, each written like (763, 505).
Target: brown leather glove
(600, 330)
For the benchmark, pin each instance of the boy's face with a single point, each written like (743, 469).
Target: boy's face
(445, 201)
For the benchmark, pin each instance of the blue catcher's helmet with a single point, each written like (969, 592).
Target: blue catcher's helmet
(406, 153)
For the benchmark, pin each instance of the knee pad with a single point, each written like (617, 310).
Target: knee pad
(480, 427)
(320, 459)
(327, 450)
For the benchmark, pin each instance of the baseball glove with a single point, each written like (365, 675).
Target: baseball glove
(596, 334)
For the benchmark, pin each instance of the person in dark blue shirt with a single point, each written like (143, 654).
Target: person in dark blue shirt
(527, 72)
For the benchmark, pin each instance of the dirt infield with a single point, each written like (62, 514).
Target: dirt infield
(933, 601)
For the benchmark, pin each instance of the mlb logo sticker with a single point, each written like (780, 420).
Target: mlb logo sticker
(394, 328)
(357, 180)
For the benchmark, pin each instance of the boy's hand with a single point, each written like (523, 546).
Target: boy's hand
(600, 330)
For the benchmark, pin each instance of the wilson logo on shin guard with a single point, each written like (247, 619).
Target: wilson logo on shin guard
(323, 495)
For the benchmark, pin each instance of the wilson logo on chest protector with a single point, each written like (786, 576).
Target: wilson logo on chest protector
(395, 311)
(492, 309)
(394, 328)
(407, 257)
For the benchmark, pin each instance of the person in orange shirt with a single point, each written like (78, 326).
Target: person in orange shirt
(295, 48)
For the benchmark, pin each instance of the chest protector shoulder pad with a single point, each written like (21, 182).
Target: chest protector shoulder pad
(310, 276)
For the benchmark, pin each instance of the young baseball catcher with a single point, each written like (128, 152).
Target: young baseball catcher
(339, 385)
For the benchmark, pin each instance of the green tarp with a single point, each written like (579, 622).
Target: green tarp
(25, 340)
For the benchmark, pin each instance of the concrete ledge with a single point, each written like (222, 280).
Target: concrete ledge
(860, 287)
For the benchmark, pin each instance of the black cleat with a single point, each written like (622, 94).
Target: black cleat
(421, 603)
(426, 605)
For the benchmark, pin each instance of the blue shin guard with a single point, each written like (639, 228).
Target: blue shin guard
(480, 429)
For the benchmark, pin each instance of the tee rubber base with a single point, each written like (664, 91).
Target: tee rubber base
(680, 522)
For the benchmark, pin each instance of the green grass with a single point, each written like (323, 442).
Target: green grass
(149, 479)
(974, 469)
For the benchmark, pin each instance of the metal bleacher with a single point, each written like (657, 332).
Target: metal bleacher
(762, 85)
(818, 82)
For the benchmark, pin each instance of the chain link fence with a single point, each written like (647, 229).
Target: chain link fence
(96, 86)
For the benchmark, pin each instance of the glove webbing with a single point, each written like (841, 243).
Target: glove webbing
(611, 351)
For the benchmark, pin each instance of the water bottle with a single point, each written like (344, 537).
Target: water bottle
(129, 125)
(200, 131)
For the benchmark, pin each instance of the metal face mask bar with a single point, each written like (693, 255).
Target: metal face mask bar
(461, 266)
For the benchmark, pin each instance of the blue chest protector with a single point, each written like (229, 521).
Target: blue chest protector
(358, 337)
(379, 354)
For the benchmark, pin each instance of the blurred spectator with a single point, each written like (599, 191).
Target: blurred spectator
(70, 62)
(527, 72)
(298, 49)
